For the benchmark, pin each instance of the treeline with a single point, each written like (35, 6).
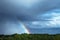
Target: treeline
(30, 37)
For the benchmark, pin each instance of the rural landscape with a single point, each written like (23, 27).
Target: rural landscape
(29, 19)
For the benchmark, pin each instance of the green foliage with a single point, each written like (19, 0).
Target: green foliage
(30, 37)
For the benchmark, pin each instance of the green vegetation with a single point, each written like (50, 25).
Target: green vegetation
(30, 37)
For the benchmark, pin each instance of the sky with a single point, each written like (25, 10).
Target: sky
(37, 16)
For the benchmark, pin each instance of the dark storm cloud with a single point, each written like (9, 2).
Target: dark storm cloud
(9, 24)
(11, 12)
(29, 14)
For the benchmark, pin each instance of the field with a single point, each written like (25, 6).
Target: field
(30, 37)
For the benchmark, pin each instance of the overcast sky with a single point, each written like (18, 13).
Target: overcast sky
(35, 14)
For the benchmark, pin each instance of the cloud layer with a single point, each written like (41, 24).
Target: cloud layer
(34, 13)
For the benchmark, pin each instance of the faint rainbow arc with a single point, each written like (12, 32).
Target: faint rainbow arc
(25, 27)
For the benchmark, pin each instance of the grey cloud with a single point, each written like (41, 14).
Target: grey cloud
(12, 12)
(9, 24)
(27, 13)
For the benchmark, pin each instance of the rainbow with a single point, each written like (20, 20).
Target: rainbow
(25, 28)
